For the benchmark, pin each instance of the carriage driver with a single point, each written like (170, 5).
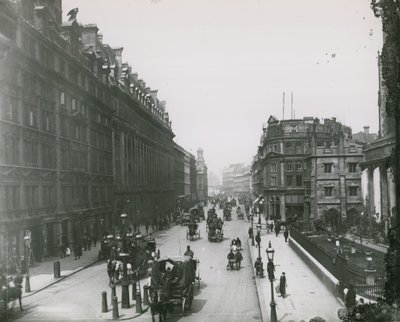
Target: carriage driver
(189, 252)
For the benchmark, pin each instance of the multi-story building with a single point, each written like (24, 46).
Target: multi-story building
(280, 160)
(82, 139)
(227, 177)
(202, 176)
(241, 183)
(332, 178)
(185, 180)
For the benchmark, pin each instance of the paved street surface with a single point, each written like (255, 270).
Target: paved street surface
(223, 296)
(307, 296)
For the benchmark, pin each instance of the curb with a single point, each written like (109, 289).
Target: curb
(260, 293)
(70, 274)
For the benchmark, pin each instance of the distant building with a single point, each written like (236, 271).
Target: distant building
(213, 184)
(241, 182)
(185, 177)
(364, 137)
(227, 177)
(202, 176)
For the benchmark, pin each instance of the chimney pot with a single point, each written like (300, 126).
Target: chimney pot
(366, 129)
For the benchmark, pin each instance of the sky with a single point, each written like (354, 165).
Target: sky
(222, 65)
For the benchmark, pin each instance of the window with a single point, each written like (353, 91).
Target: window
(275, 147)
(83, 109)
(299, 149)
(273, 181)
(353, 191)
(98, 118)
(328, 167)
(73, 104)
(288, 148)
(299, 181)
(298, 166)
(328, 191)
(289, 166)
(289, 181)
(352, 167)
(62, 98)
(273, 167)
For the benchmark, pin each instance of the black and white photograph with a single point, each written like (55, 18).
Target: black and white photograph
(200, 160)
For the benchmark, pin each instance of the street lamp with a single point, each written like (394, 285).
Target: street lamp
(27, 240)
(124, 255)
(270, 268)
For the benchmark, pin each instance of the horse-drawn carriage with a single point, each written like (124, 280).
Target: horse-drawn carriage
(140, 251)
(227, 214)
(197, 213)
(239, 213)
(193, 231)
(172, 284)
(214, 228)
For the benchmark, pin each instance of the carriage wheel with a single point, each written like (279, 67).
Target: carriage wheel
(184, 306)
(190, 299)
(187, 235)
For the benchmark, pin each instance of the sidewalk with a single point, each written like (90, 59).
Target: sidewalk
(307, 296)
(42, 274)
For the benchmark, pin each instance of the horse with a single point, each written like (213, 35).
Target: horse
(11, 294)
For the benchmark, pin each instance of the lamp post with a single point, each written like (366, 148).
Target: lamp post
(361, 219)
(27, 240)
(270, 268)
(124, 255)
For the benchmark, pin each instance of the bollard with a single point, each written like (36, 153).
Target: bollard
(113, 292)
(56, 266)
(146, 295)
(138, 302)
(104, 306)
(115, 314)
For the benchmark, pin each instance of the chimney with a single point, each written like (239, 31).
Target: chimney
(89, 35)
(100, 38)
(118, 54)
(366, 130)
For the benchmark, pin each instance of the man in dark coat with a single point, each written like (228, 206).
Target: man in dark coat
(282, 285)
(286, 234)
(77, 251)
(258, 239)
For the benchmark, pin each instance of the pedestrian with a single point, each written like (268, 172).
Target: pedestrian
(271, 227)
(84, 242)
(286, 234)
(94, 240)
(350, 299)
(88, 242)
(282, 285)
(18, 279)
(277, 230)
(77, 251)
(258, 239)
(63, 249)
(189, 252)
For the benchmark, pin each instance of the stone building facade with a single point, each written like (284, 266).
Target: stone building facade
(82, 139)
(241, 183)
(279, 164)
(332, 179)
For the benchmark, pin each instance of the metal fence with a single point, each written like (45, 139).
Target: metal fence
(369, 285)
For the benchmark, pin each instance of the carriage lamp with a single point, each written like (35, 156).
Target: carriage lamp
(124, 255)
(27, 240)
(270, 253)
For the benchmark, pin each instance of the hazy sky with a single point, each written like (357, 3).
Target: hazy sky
(222, 65)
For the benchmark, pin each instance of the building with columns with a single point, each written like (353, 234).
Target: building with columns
(379, 189)
(202, 176)
(82, 138)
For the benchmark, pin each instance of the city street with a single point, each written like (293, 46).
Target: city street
(223, 295)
